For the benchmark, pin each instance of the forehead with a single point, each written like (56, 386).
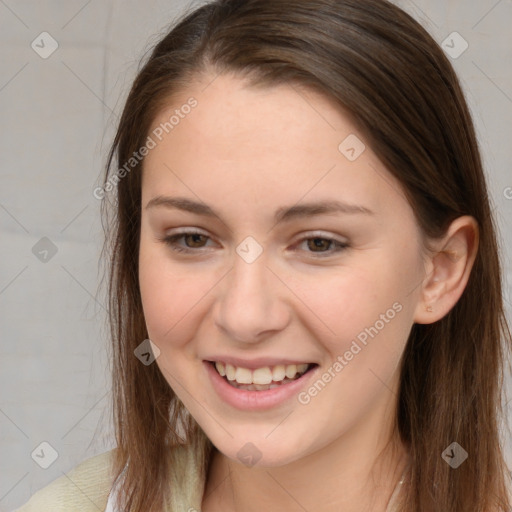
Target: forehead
(258, 143)
(232, 116)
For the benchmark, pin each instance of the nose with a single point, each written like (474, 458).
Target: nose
(251, 305)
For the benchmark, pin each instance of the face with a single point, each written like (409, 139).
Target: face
(276, 245)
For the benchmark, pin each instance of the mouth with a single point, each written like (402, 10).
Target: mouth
(261, 379)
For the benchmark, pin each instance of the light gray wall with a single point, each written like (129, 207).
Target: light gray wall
(57, 118)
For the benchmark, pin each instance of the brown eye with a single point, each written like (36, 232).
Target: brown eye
(194, 240)
(319, 244)
(186, 242)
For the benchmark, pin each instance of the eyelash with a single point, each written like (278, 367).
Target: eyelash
(171, 241)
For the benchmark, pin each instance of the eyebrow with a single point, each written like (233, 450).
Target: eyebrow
(285, 213)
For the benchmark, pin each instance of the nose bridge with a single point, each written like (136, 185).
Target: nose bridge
(249, 300)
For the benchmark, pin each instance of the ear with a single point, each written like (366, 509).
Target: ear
(448, 267)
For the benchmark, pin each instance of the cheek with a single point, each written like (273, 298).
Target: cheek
(347, 300)
(365, 324)
(171, 295)
(364, 310)
(175, 298)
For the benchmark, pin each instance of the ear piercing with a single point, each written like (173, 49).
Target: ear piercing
(429, 309)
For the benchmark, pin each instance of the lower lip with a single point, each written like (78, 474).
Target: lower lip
(256, 400)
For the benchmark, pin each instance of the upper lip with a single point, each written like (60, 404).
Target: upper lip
(258, 362)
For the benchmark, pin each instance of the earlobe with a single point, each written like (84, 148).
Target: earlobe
(449, 267)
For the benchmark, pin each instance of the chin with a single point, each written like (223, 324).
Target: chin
(261, 454)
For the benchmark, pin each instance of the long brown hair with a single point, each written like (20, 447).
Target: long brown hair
(384, 69)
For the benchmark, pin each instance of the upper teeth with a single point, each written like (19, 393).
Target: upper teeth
(263, 375)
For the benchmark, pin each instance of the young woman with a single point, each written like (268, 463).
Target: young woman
(302, 229)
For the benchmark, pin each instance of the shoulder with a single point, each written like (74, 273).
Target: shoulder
(187, 476)
(86, 488)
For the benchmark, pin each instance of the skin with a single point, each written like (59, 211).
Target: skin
(246, 151)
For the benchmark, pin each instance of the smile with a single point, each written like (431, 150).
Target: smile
(260, 379)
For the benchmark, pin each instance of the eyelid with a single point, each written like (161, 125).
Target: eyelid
(321, 234)
(187, 231)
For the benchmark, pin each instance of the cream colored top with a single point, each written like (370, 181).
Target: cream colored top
(87, 487)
